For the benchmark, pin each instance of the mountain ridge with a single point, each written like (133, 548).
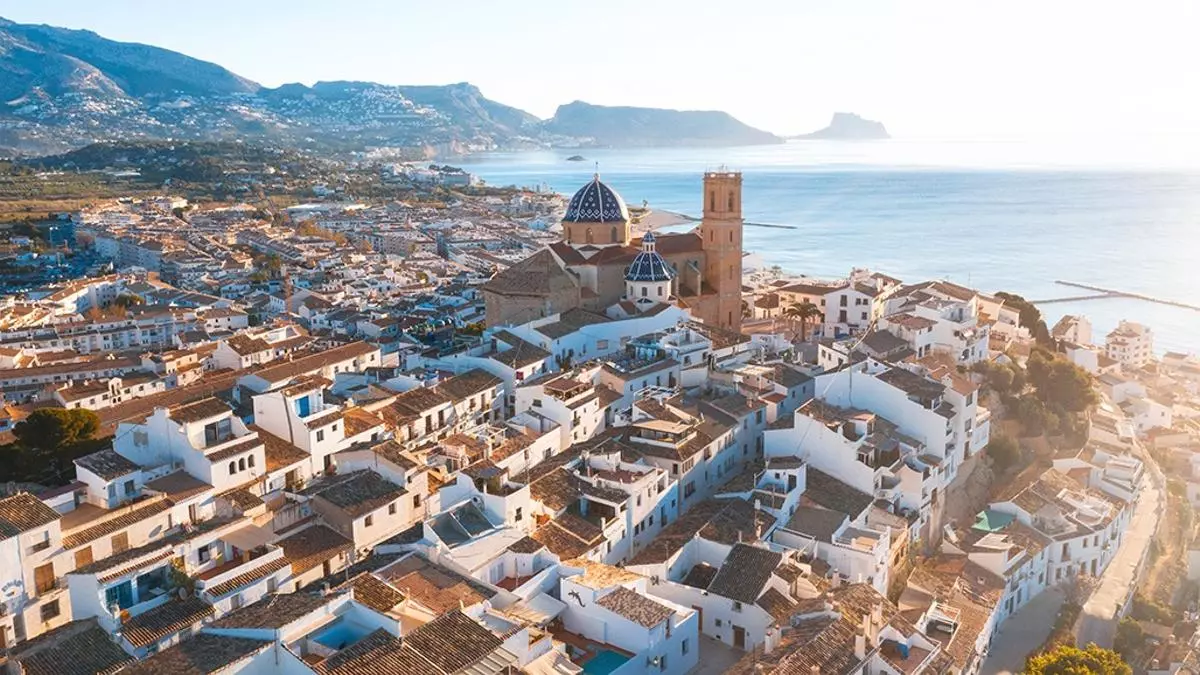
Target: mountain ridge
(66, 88)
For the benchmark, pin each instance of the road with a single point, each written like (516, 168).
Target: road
(1022, 633)
(1101, 614)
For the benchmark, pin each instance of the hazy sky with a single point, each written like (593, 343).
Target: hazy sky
(924, 68)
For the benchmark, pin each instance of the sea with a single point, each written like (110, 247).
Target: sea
(993, 215)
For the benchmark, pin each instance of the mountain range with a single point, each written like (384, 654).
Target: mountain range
(62, 88)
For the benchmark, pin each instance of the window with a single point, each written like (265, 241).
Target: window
(517, 515)
(120, 543)
(737, 606)
(250, 461)
(864, 316)
(242, 464)
(232, 468)
(369, 521)
(416, 501)
(203, 555)
(683, 647)
(44, 579)
(662, 663)
(392, 509)
(236, 601)
(321, 435)
(718, 623)
(50, 610)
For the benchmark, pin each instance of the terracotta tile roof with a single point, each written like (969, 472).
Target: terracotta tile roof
(359, 421)
(279, 452)
(23, 512)
(313, 362)
(720, 520)
(107, 464)
(745, 573)
(236, 449)
(178, 486)
(569, 536)
(778, 606)
(241, 498)
(832, 493)
(374, 592)
(522, 353)
(360, 492)
(700, 576)
(77, 648)
(234, 583)
(200, 410)
(470, 383)
(324, 419)
(140, 511)
(274, 611)
(312, 546)
(453, 641)
(635, 607)
(525, 545)
(165, 620)
(201, 654)
(438, 588)
(539, 274)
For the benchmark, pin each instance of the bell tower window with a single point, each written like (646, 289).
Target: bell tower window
(614, 234)
(589, 236)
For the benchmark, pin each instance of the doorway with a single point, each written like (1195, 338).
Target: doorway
(739, 637)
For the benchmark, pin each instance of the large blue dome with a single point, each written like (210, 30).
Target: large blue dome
(648, 265)
(596, 203)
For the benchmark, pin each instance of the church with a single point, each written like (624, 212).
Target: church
(600, 268)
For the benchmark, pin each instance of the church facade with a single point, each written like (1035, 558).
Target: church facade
(599, 265)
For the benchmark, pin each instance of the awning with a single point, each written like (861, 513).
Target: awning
(249, 537)
(539, 610)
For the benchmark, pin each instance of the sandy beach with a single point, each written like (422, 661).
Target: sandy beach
(654, 219)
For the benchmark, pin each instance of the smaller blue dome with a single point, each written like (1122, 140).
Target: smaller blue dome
(648, 265)
(596, 203)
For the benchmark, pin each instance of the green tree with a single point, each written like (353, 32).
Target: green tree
(1030, 317)
(1004, 451)
(127, 300)
(53, 429)
(1130, 638)
(802, 312)
(1068, 660)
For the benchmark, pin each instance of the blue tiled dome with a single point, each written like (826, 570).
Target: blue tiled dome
(596, 203)
(649, 265)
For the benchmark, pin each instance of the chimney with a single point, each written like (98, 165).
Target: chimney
(860, 647)
(836, 581)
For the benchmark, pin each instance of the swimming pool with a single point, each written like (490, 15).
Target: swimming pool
(340, 634)
(604, 662)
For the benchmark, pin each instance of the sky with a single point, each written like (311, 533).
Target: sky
(925, 68)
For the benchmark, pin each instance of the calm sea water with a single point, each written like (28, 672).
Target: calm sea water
(996, 216)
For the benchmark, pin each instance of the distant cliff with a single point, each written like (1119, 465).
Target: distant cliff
(621, 126)
(848, 127)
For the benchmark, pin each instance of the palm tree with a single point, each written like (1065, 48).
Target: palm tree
(802, 312)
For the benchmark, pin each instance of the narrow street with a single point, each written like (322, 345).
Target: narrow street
(1022, 633)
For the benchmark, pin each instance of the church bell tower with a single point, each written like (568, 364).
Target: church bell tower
(721, 232)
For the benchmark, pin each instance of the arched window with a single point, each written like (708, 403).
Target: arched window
(660, 291)
(232, 468)
(645, 291)
(614, 234)
(242, 464)
(731, 236)
(730, 201)
(589, 235)
(712, 200)
(250, 461)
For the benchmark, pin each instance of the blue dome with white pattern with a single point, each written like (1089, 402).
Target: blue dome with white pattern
(596, 203)
(648, 265)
